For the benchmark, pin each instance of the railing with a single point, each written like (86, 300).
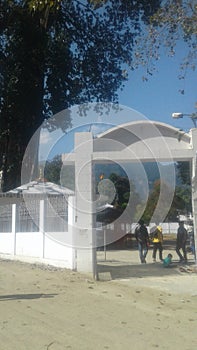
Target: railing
(28, 216)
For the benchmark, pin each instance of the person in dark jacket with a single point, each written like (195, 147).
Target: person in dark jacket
(181, 241)
(142, 237)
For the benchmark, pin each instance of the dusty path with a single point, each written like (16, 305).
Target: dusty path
(52, 309)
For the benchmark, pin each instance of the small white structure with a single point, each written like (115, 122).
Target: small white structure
(34, 224)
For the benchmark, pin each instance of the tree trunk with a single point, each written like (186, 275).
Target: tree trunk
(20, 160)
(22, 103)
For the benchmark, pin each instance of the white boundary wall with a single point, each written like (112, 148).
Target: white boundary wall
(39, 246)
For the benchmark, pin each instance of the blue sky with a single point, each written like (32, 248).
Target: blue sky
(158, 98)
(155, 99)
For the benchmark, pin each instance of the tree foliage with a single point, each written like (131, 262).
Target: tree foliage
(183, 197)
(184, 172)
(52, 170)
(175, 20)
(122, 194)
(181, 202)
(122, 187)
(54, 54)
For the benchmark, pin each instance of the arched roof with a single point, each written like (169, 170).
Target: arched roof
(145, 140)
(132, 132)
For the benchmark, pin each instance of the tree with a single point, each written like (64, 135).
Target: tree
(175, 20)
(126, 196)
(52, 170)
(122, 187)
(68, 176)
(184, 172)
(181, 202)
(54, 54)
(121, 193)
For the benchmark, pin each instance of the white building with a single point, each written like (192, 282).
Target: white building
(75, 248)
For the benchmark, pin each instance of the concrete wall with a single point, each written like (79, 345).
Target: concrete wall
(36, 247)
(54, 248)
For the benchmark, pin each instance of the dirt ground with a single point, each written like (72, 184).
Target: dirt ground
(132, 306)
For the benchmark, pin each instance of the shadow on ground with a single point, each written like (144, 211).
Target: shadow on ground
(25, 296)
(114, 270)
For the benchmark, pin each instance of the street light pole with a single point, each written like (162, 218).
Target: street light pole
(193, 117)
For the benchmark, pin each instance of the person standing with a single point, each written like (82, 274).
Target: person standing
(181, 241)
(141, 235)
(157, 240)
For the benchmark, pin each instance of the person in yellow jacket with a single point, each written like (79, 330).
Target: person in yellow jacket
(157, 240)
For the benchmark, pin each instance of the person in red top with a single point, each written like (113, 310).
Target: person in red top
(181, 241)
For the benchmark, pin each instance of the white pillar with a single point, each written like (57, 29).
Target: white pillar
(194, 186)
(71, 223)
(84, 235)
(41, 224)
(14, 214)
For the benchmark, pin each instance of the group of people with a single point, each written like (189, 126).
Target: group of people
(156, 237)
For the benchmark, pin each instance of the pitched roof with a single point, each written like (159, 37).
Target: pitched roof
(38, 188)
